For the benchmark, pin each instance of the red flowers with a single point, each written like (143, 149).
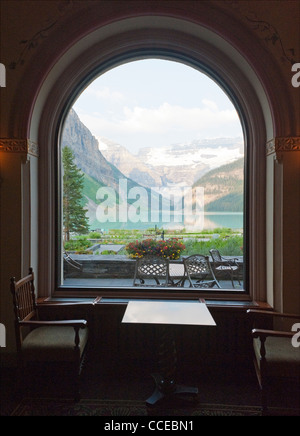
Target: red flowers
(171, 248)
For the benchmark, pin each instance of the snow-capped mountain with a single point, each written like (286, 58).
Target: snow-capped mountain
(180, 164)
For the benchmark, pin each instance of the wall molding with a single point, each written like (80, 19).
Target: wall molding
(32, 43)
(266, 31)
(283, 144)
(24, 146)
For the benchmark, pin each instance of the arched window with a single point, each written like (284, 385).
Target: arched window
(152, 163)
(142, 38)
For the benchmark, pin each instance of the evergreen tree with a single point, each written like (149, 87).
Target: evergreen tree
(74, 214)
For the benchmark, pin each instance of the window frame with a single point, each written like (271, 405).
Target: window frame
(136, 292)
(78, 66)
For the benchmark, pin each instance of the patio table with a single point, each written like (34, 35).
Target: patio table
(166, 314)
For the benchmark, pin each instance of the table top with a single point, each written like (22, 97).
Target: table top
(168, 312)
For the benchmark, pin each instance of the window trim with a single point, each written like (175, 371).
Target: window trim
(169, 292)
(252, 103)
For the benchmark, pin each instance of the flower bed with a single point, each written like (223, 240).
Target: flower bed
(171, 248)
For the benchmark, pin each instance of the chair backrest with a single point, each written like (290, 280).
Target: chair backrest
(24, 297)
(152, 267)
(199, 271)
(215, 254)
(197, 265)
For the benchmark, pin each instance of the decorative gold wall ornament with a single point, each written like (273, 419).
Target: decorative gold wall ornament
(25, 146)
(283, 144)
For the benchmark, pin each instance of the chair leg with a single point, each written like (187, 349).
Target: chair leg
(19, 383)
(77, 393)
(77, 372)
(263, 391)
(231, 278)
(264, 406)
(76, 386)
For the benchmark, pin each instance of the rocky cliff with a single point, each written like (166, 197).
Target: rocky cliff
(180, 164)
(87, 154)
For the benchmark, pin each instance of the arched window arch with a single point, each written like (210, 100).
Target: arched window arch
(149, 218)
(102, 50)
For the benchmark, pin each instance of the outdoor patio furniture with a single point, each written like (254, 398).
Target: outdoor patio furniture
(225, 266)
(151, 271)
(70, 261)
(177, 275)
(199, 272)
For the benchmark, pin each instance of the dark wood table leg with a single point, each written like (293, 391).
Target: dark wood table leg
(165, 380)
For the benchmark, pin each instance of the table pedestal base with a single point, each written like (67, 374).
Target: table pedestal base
(170, 390)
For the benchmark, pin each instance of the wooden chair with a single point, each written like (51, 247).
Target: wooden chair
(223, 265)
(199, 272)
(151, 271)
(276, 352)
(43, 342)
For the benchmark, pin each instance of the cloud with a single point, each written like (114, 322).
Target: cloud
(165, 117)
(105, 93)
(170, 123)
(210, 104)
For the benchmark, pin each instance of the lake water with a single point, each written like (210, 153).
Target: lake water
(210, 221)
(233, 220)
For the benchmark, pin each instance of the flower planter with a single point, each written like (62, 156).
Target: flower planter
(171, 248)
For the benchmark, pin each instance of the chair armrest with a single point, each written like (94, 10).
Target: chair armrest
(225, 262)
(229, 259)
(263, 333)
(79, 323)
(272, 313)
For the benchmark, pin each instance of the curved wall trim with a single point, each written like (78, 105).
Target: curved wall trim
(169, 38)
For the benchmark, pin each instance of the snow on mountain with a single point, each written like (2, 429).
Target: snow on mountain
(211, 153)
(180, 164)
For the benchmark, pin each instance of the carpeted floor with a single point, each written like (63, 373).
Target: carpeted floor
(120, 388)
(52, 407)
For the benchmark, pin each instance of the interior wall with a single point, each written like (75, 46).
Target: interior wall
(11, 238)
(195, 45)
(45, 39)
(291, 231)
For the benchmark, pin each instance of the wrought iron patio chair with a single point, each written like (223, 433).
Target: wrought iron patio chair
(72, 262)
(151, 271)
(199, 272)
(223, 266)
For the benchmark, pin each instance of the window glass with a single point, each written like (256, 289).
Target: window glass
(152, 172)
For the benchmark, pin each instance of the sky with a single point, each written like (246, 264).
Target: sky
(154, 103)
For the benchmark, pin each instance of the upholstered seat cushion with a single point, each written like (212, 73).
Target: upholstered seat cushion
(282, 359)
(54, 343)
